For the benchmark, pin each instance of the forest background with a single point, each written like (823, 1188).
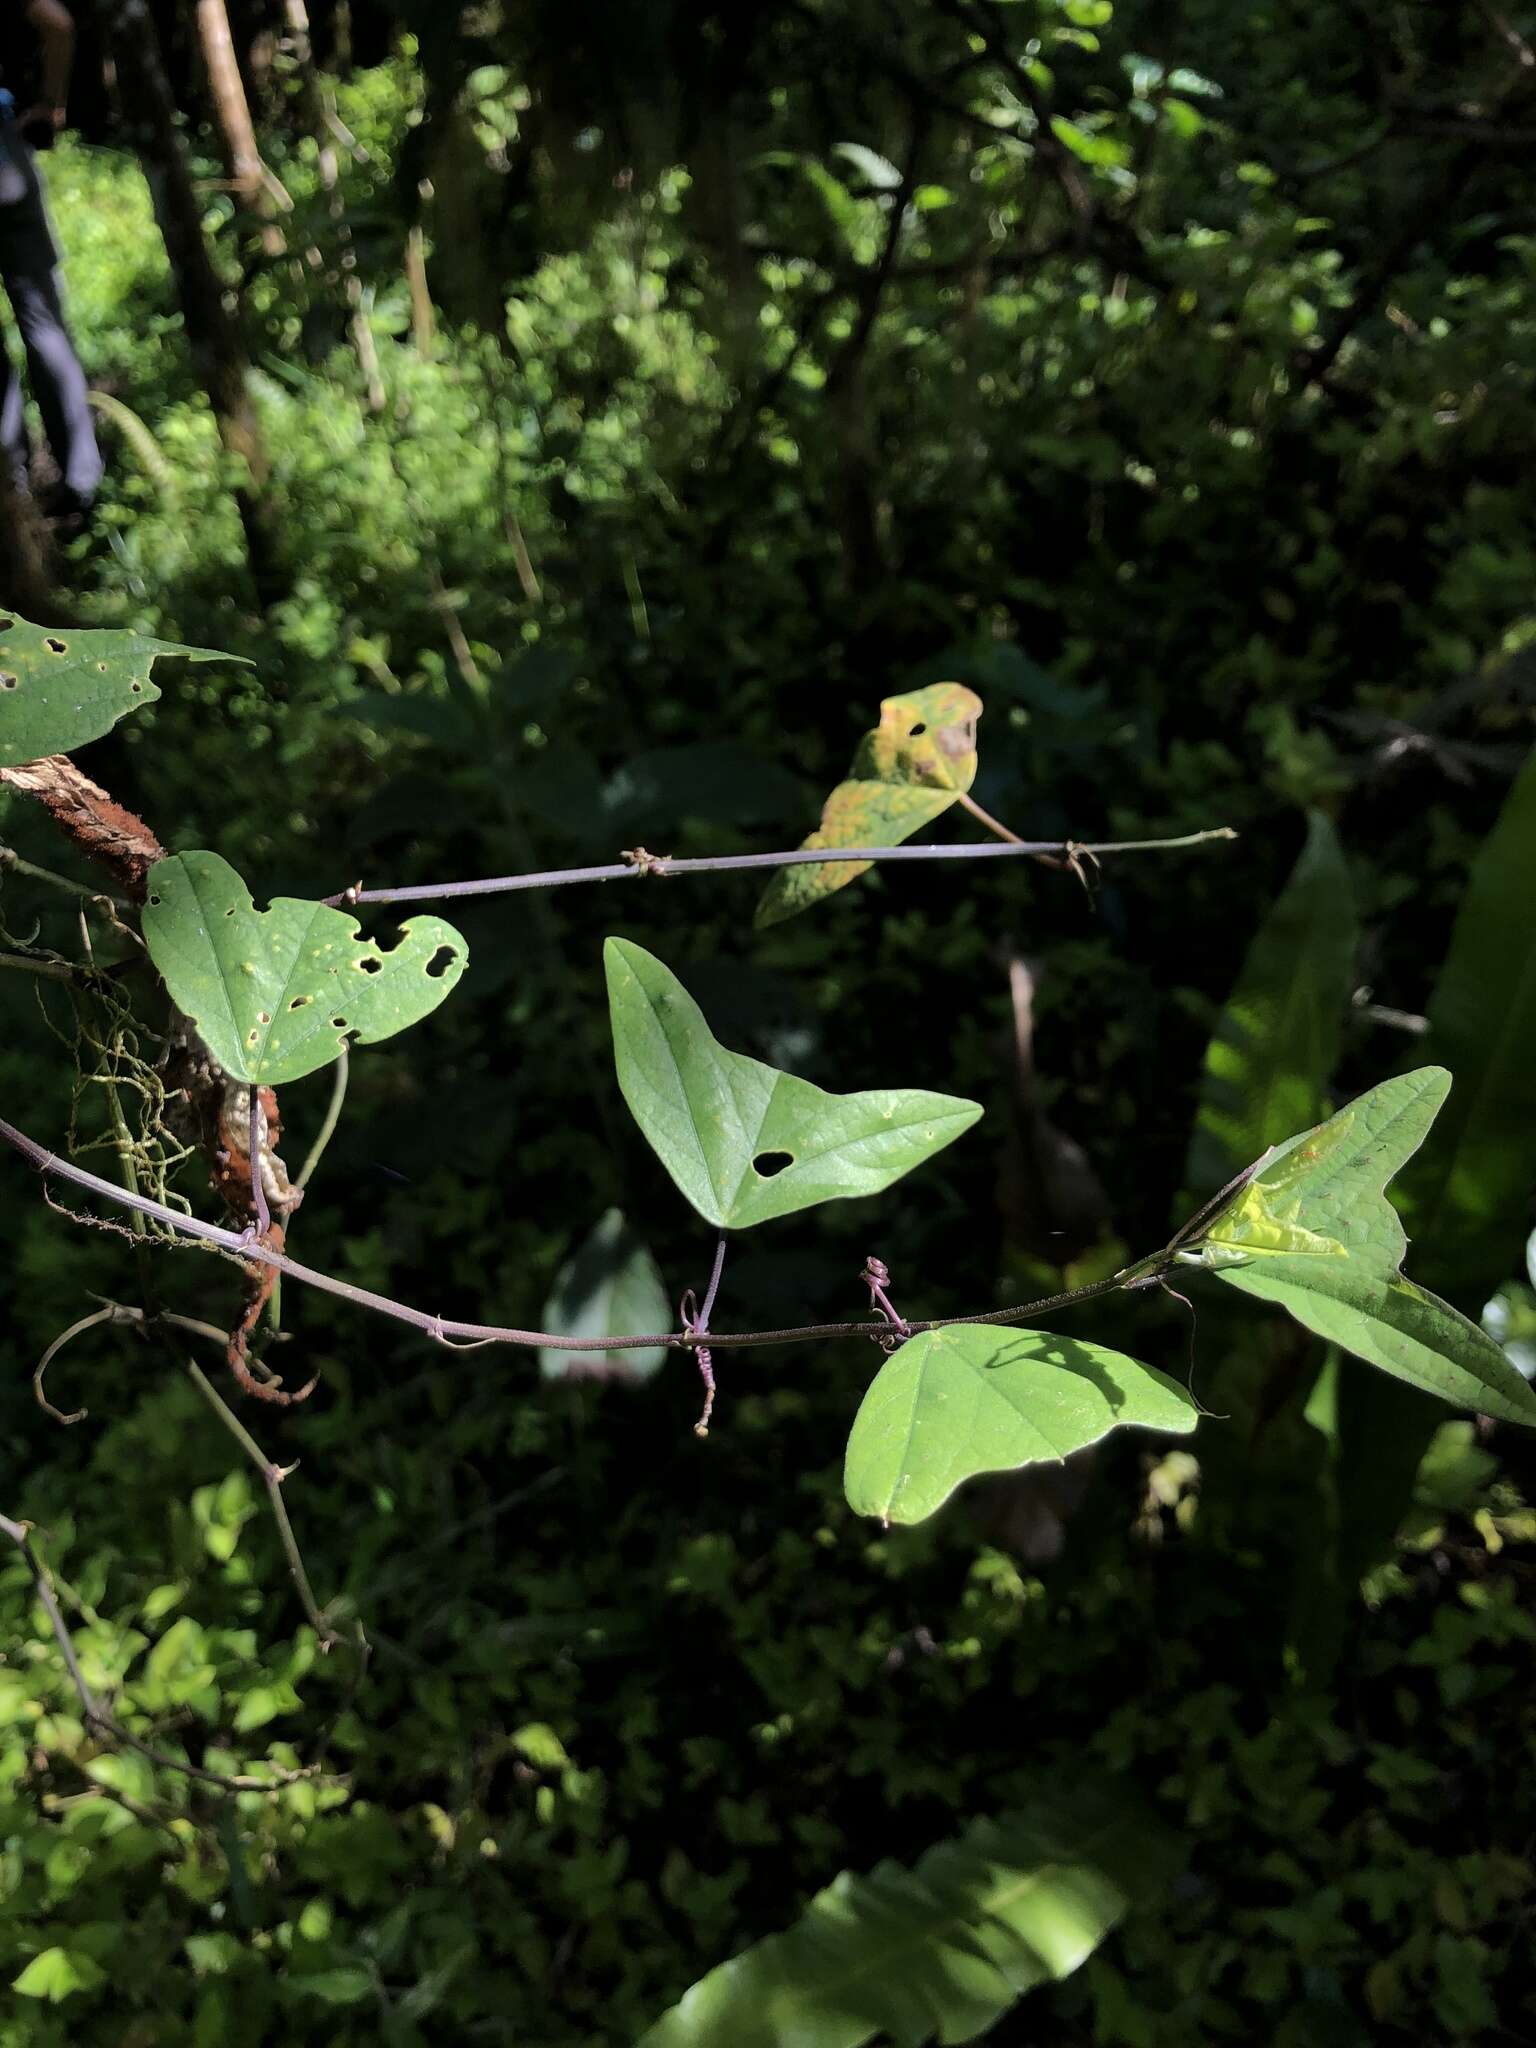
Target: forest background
(582, 417)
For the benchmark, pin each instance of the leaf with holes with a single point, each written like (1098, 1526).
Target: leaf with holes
(978, 1398)
(743, 1141)
(611, 1288)
(60, 687)
(276, 993)
(907, 772)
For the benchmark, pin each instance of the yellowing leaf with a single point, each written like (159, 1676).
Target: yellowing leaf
(906, 773)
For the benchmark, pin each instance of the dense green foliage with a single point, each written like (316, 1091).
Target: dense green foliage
(1164, 377)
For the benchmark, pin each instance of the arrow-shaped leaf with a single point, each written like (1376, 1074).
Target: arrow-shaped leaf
(61, 686)
(907, 772)
(1330, 1183)
(743, 1141)
(978, 1398)
(276, 993)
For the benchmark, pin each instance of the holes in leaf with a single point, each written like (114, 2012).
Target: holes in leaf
(918, 730)
(368, 965)
(55, 646)
(154, 899)
(101, 668)
(340, 1023)
(264, 1018)
(7, 682)
(231, 911)
(388, 945)
(441, 961)
(6, 625)
(299, 1002)
(136, 687)
(767, 1164)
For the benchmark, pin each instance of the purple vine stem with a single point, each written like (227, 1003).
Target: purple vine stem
(638, 863)
(444, 1330)
(258, 1193)
(697, 1325)
(877, 1278)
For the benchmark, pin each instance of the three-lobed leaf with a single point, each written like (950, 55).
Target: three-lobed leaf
(744, 1141)
(610, 1287)
(938, 1951)
(1330, 1183)
(61, 686)
(976, 1397)
(276, 993)
(907, 772)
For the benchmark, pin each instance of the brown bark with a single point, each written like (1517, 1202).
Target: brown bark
(217, 348)
(232, 119)
(99, 826)
(26, 552)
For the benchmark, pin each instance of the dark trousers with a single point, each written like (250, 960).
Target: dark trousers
(29, 271)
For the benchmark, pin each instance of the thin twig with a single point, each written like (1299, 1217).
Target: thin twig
(272, 1477)
(994, 825)
(641, 863)
(95, 1714)
(11, 860)
(442, 1328)
(332, 1117)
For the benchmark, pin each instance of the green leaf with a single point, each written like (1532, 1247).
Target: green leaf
(611, 1288)
(906, 773)
(1400, 1327)
(1253, 1228)
(55, 1973)
(942, 1949)
(61, 686)
(743, 1141)
(345, 1986)
(1268, 1066)
(276, 993)
(1331, 1182)
(1466, 1198)
(979, 1398)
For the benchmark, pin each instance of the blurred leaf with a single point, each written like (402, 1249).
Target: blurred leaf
(1268, 1065)
(276, 993)
(61, 686)
(938, 1951)
(721, 782)
(950, 1404)
(877, 170)
(611, 1288)
(56, 1973)
(1467, 1197)
(743, 1141)
(906, 773)
(443, 720)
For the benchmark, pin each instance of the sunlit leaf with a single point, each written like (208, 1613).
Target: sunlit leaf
(55, 1973)
(1395, 1325)
(950, 1404)
(61, 686)
(906, 773)
(938, 1951)
(276, 993)
(1331, 1182)
(743, 1141)
(610, 1288)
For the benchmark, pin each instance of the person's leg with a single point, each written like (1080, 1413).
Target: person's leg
(28, 259)
(14, 190)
